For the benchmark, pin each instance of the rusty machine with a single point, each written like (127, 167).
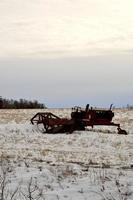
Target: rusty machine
(47, 122)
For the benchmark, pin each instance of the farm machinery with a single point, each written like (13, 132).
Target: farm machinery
(48, 122)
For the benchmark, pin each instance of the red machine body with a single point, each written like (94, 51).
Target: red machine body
(79, 120)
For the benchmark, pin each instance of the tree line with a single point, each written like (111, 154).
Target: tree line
(19, 104)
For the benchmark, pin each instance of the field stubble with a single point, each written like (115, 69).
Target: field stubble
(96, 162)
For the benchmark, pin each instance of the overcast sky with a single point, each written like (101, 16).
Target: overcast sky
(67, 52)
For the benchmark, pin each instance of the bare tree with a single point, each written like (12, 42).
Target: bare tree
(33, 191)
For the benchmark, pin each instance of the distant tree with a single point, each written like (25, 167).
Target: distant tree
(19, 104)
(1, 102)
(129, 107)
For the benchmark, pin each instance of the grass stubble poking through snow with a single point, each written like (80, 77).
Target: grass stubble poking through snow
(95, 164)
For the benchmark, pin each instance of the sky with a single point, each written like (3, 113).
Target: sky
(67, 52)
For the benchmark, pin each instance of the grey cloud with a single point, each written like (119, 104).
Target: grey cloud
(99, 80)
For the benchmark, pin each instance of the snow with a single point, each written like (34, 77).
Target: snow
(92, 164)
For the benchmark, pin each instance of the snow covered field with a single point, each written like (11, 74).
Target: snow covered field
(95, 164)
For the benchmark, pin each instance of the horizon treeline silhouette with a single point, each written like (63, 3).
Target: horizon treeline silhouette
(19, 104)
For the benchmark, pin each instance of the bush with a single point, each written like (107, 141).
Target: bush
(19, 104)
